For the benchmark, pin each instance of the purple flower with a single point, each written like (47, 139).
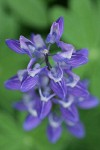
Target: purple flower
(54, 129)
(73, 59)
(26, 79)
(36, 108)
(30, 47)
(51, 87)
(55, 31)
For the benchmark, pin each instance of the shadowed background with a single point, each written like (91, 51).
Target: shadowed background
(82, 29)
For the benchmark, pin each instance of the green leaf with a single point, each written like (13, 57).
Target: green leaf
(31, 12)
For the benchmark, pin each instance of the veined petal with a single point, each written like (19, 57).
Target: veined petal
(79, 90)
(55, 31)
(29, 83)
(88, 102)
(27, 45)
(59, 88)
(60, 21)
(65, 46)
(45, 108)
(33, 69)
(38, 41)
(46, 96)
(70, 114)
(77, 130)
(31, 122)
(31, 63)
(54, 128)
(59, 57)
(22, 74)
(56, 73)
(15, 46)
(53, 134)
(66, 103)
(71, 79)
(67, 49)
(78, 58)
(13, 83)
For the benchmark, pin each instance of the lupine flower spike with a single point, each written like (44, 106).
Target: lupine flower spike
(51, 91)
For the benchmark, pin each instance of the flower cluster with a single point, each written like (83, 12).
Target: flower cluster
(51, 89)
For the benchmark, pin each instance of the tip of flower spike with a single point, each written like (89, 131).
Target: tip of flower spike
(60, 19)
(56, 31)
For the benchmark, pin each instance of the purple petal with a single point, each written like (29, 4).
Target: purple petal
(15, 46)
(39, 45)
(31, 63)
(56, 73)
(36, 70)
(31, 122)
(32, 68)
(77, 130)
(13, 83)
(20, 106)
(79, 90)
(53, 134)
(27, 45)
(43, 80)
(45, 109)
(22, 74)
(87, 103)
(55, 31)
(70, 114)
(59, 88)
(71, 79)
(29, 83)
(78, 58)
(60, 21)
(60, 57)
(38, 41)
(66, 48)
(66, 103)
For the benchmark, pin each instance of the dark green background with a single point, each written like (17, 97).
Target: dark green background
(82, 29)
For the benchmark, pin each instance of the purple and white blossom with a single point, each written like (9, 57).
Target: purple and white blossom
(47, 86)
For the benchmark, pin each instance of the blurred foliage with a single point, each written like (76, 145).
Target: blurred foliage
(81, 28)
(31, 12)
